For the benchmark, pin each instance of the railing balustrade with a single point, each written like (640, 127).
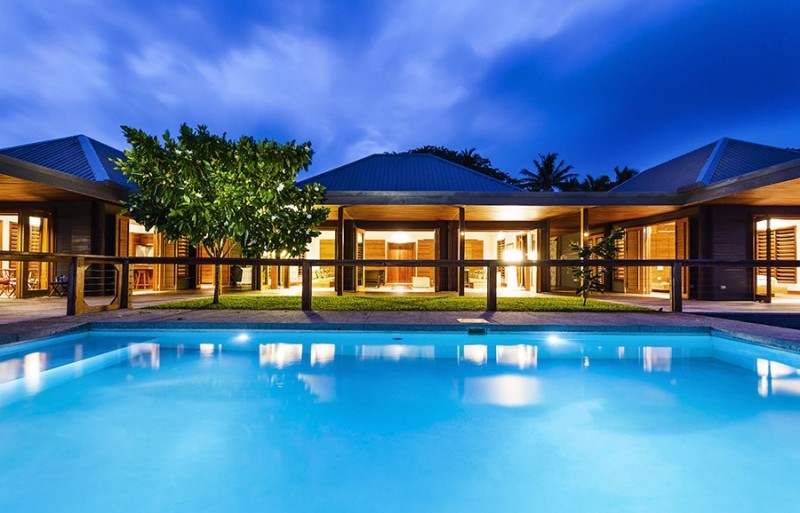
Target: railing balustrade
(114, 275)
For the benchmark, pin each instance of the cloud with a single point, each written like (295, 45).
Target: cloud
(593, 79)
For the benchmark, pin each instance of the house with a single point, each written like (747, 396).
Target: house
(726, 200)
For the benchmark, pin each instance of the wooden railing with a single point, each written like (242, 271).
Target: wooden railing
(78, 264)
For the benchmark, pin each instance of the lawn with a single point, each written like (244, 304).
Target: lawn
(396, 303)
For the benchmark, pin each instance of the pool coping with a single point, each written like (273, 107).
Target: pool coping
(766, 336)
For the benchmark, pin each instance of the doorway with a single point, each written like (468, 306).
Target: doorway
(400, 251)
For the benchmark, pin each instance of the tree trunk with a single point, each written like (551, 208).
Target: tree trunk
(217, 282)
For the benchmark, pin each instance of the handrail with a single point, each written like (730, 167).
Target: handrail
(79, 262)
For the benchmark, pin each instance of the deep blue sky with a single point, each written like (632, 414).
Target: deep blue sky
(601, 82)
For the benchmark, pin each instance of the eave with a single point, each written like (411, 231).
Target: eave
(23, 181)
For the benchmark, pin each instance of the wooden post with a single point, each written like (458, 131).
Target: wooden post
(125, 285)
(462, 234)
(306, 297)
(491, 287)
(72, 276)
(75, 302)
(339, 274)
(675, 289)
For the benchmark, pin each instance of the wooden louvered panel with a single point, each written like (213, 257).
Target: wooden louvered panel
(426, 250)
(168, 271)
(501, 247)
(682, 251)
(182, 250)
(633, 243)
(784, 247)
(13, 244)
(327, 251)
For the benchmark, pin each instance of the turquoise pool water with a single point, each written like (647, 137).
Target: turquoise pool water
(224, 421)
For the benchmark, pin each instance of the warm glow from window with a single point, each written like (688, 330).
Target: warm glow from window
(395, 352)
(322, 354)
(279, 355)
(657, 359)
(521, 356)
(476, 353)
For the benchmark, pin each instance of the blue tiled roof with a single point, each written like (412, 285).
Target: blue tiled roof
(76, 155)
(715, 162)
(407, 172)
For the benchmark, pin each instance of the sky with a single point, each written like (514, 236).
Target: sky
(603, 83)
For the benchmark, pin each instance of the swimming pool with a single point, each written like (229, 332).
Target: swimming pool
(406, 421)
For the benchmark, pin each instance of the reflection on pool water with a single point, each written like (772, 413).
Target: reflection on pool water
(373, 421)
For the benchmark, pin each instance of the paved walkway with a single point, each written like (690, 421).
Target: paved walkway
(33, 318)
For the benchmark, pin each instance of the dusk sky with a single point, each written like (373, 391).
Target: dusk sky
(601, 82)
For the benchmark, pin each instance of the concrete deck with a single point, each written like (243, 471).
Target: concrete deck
(33, 318)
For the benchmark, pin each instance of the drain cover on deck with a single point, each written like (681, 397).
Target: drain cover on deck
(473, 321)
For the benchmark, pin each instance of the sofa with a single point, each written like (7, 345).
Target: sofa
(322, 277)
(475, 278)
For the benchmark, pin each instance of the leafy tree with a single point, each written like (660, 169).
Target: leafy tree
(549, 176)
(215, 191)
(593, 279)
(468, 158)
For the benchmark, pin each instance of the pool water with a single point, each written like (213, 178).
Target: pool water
(398, 422)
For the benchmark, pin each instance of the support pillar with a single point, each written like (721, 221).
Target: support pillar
(491, 288)
(676, 289)
(339, 281)
(462, 233)
(306, 290)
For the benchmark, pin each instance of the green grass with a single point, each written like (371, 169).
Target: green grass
(395, 303)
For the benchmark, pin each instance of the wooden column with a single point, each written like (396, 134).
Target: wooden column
(491, 288)
(125, 285)
(339, 278)
(462, 234)
(75, 303)
(306, 276)
(675, 289)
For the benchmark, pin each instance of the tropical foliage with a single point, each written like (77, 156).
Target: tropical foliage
(601, 183)
(550, 175)
(215, 192)
(593, 279)
(468, 158)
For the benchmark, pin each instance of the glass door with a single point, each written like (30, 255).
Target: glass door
(9, 241)
(35, 276)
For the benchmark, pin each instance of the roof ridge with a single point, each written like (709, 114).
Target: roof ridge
(92, 158)
(474, 171)
(712, 162)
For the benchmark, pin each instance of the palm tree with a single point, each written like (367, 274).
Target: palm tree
(621, 175)
(599, 184)
(549, 176)
(468, 157)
